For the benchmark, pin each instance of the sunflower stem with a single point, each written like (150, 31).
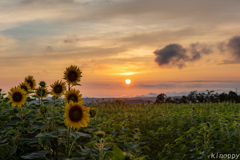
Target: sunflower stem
(41, 97)
(68, 147)
(53, 113)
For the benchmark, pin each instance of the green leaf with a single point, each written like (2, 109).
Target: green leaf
(140, 158)
(117, 153)
(53, 134)
(90, 144)
(108, 154)
(45, 140)
(37, 155)
(4, 117)
(62, 156)
(80, 134)
(29, 140)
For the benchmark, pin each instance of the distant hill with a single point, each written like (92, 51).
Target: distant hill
(134, 100)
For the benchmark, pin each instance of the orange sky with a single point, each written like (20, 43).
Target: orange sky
(170, 47)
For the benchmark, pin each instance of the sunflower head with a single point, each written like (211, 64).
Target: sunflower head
(42, 83)
(73, 95)
(30, 81)
(44, 92)
(43, 110)
(72, 74)
(92, 112)
(17, 96)
(100, 134)
(76, 115)
(58, 88)
(25, 86)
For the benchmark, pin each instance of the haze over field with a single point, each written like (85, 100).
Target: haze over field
(171, 47)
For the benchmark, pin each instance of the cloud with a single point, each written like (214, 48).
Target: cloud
(175, 55)
(71, 39)
(152, 94)
(197, 49)
(172, 54)
(234, 46)
(231, 47)
(162, 85)
(49, 49)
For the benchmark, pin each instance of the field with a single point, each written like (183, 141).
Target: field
(121, 131)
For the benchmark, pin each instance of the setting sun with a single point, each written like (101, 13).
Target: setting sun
(128, 81)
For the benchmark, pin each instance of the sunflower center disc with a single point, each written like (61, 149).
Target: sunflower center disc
(30, 83)
(17, 96)
(58, 89)
(75, 114)
(73, 97)
(24, 87)
(72, 76)
(43, 92)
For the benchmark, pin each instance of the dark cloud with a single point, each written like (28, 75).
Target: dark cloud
(163, 85)
(176, 55)
(197, 49)
(172, 54)
(234, 46)
(49, 49)
(71, 39)
(231, 47)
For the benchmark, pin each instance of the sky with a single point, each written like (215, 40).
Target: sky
(163, 46)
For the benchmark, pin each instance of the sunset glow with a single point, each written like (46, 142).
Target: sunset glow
(171, 47)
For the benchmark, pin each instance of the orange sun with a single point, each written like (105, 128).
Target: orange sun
(128, 81)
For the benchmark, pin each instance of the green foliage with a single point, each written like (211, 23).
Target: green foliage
(121, 131)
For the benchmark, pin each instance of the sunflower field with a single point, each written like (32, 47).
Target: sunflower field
(112, 130)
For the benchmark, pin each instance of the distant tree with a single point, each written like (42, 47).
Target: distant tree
(169, 100)
(184, 99)
(192, 96)
(161, 98)
(232, 96)
(201, 97)
(223, 97)
(176, 100)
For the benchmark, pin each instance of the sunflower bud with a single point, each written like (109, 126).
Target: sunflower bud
(100, 134)
(42, 83)
(12, 132)
(43, 110)
(92, 112)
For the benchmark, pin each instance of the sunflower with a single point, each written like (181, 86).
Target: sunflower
(31, 81)
(92, 112)
(25, 86)
(58, 88)
(17, 96)
(44, 92)
(72, 74)
(73, 95)
(42, 83)
(42, 110)
(76, 115)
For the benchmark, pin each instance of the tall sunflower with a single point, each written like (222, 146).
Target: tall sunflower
(72, 74)
(58, 88)
(30, 81)
(25, 86)
(73, 95)
(17, 96)
(44, 92)
(76, 115)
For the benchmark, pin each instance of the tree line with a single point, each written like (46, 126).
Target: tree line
(195, 97)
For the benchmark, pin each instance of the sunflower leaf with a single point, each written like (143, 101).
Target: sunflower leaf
(80, 134)
(36, 155)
